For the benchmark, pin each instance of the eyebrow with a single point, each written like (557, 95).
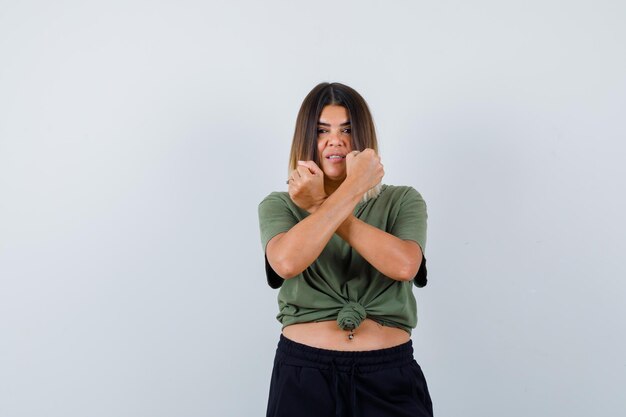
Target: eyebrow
(328, 124)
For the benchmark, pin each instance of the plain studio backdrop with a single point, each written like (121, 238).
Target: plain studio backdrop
(138, 137)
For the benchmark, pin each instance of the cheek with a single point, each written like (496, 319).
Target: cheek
(348, 143)
(320, 147)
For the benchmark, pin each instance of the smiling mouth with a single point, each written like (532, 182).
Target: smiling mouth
(335, 157)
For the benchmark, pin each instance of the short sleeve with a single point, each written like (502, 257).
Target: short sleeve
(411, 224)
(275, 217)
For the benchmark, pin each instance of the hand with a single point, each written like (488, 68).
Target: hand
(364, 170)
(306, 186)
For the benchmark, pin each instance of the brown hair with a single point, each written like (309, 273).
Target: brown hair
(304, 145)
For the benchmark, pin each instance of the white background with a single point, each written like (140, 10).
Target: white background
(137, 138)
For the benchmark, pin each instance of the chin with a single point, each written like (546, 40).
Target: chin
(334, 174)
(339, 177)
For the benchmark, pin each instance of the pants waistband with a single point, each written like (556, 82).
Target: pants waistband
(298, 354)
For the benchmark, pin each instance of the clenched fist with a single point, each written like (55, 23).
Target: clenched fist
(306, 186)
(364, 170)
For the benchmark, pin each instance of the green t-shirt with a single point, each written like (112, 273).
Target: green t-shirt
(341, 285)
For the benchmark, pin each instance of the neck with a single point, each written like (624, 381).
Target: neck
(330, 186)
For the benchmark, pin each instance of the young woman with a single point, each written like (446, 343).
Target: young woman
(345, 251)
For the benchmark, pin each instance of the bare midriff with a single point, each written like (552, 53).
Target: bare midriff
(327, 335)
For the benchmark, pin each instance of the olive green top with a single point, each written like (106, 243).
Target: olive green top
(341, 285)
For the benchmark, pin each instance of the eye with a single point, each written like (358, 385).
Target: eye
(320, 130)
(347, 130)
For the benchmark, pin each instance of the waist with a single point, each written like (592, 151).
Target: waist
(297, 354)
(369, 335)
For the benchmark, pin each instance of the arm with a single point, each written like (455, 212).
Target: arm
(292, 252)
(395, 258)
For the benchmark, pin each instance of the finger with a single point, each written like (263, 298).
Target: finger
(293, 187)
(293, 176)
(352, 154)
(312, 166)
(304, 171)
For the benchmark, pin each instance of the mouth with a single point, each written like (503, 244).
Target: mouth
(335, 157)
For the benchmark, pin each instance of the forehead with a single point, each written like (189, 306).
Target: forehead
(334, 114)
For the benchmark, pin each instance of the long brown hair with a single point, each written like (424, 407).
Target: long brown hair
(363, 132)
(304, 145)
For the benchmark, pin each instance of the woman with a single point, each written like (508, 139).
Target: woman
(346, 251)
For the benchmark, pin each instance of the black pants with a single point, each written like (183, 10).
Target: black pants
(311, 382)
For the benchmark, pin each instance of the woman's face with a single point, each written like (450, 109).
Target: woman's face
(334, 141)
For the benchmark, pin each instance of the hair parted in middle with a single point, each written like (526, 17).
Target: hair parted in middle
(363, 132)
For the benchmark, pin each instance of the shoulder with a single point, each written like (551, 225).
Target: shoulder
(279, 202)
(277, 196)
(400, 193)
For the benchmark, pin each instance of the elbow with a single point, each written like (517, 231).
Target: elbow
(284, 268)
(406, 273)
(288, 273)
(408, 263)
(407, 269)
(281, 261)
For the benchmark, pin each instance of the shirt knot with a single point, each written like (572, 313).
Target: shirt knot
(351, 315)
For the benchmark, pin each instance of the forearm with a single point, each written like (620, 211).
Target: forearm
(292, 252)
(395, 258)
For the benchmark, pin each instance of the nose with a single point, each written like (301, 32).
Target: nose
(335, 139)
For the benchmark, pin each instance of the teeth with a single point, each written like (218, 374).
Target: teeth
(335, 157)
